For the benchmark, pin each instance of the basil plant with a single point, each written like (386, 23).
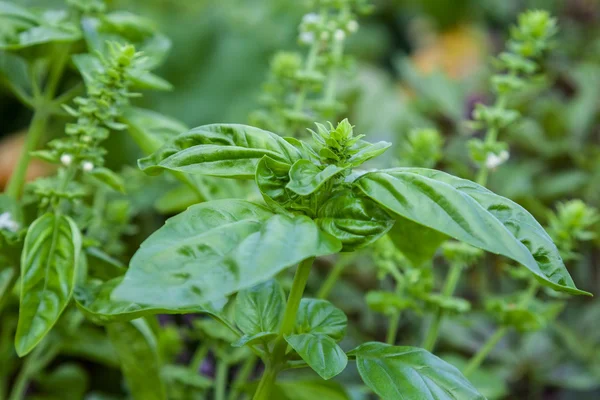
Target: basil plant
(317, 202)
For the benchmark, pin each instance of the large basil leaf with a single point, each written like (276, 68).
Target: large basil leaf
(468, 212)
(217, 248)
(137, 349)
(220, 150)
(306, 177)
(260, 309)
(404, 372)
(93, 299)
(320, 352)
(48, 274)
(355, 220)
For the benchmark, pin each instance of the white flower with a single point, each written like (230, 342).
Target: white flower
(339, 35)
(311, 18)
(6, 222)
(493, 161)
(352, 26)
(307, 37)
(87, 166)
(66, 159)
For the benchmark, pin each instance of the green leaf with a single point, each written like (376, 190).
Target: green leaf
(48, 274)
(94, 300)
(405, 372)
(176, 200)
(12, 10)
(417, 243)
(355, 220)
(320, 352)
(136, 346)
(88, 66)
(183, 383)
(271, 178)
(468, 212)
(257, 338)
(144, 80)
(90, 342)
(109, 178)
(149, 129)
(40, 35)
(367, 151)
(260, 309)
(321, 317)
(217, 248)
(306, 177)
(220, 150)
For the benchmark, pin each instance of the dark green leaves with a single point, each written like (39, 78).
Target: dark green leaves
(217, 248)
(404, 372)
(470, 213)
(137, 349)
(259, 310)
(319, 325)
(355, 220)
(48, 273)
(220, 150)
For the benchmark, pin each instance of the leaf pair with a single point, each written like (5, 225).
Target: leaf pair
(319, 326)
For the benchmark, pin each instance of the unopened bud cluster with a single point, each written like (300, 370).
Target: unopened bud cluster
(301, 90)
(97, 114)
(518, 67)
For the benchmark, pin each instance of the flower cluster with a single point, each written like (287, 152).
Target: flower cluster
(518, 66)
(299, 89)
(573, 222)
(336, 145)
(421, 148)
(97, 114)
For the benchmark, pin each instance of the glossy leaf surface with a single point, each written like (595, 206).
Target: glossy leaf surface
(227, 150)
(48, 274)
(137, 350)
(306, 177)
(217, 248)
(468, 212)
(405, 372)
(259, 309)
(321, 317)
(320, 352)
(356, 221)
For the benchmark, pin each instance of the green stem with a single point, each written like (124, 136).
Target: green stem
(38, 123)
(448, 290)
(274, 365)
(221, 380)
(482, 354)
(198, 357)
(34, 135)
(241, 377)
(8, 289)
(393, 328)
(334, 275)
(42, 355)
(311, 62)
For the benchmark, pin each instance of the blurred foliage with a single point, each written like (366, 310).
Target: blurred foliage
(421, 68)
